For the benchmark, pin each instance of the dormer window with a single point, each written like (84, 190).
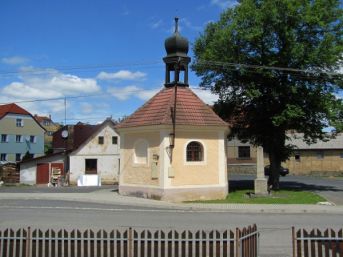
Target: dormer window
(101, 140)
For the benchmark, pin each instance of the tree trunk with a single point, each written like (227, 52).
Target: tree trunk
(274, 171)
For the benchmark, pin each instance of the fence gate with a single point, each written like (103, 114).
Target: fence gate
(129, 242)
(317, 243)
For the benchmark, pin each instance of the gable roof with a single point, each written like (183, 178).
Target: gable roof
(12, 108)
(190, 110)
(297, 139)
(78, 134)
(16, 109)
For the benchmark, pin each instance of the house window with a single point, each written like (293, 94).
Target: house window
(114, 140)
(101, 140)
(320, 155)
(17, 157)
(19, 123)
(195, 152)
(297, 157)
(18, 138)
(3, 157)
(32, 139)
(244, 152)
(49, 133)
(91, 166)
(141, 152)
(4, 138)
(46, 123)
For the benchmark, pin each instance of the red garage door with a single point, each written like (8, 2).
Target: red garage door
(42, 173)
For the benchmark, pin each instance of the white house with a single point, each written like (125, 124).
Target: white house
(97, 155)
(89, 155)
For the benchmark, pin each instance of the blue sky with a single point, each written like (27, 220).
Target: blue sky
(108, 51)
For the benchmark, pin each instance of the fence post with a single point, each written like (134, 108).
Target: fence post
(130, 242)
(28, 242)
(293, 241)
(238, 254)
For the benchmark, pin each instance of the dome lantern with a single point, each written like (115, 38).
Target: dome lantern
(176, 60)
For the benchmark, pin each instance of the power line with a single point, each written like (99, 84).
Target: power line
(240, 65)
(47, 70)
(129, 91)
(51, 70)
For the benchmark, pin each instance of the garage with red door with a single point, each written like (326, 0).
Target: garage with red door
(39, 170)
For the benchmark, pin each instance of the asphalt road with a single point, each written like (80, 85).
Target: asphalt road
(275, 228)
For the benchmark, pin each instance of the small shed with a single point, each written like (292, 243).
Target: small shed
(38, 170)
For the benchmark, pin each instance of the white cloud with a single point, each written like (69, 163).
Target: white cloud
(49, 84)
(20, 90)
(189, 25)
(121, 75)
(130, 91)
(205, 95)
(14, 60)
(223, 4)
(39, 84)
(86, 108)
(157, 24)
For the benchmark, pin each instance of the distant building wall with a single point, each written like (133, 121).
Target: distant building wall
(29, 128)
(307, 161)
(316, 162)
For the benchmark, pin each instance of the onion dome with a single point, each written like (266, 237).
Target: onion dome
(176, 45)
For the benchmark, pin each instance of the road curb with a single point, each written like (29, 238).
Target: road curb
(227, 208)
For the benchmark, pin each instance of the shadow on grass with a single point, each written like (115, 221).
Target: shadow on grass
(235, 185)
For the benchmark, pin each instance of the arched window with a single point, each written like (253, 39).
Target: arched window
(141, 152)
(195, 152)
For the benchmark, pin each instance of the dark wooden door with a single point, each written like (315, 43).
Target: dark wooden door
(42, 173)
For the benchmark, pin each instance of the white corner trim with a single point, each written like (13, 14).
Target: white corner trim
(222, 163)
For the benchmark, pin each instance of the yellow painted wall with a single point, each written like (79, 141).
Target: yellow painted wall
(31, 127)
(205, 173)
(309, 162)
(139, 174)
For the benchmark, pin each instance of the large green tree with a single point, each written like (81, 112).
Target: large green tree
(274, 65)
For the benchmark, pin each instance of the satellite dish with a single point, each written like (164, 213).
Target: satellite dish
(64, 134)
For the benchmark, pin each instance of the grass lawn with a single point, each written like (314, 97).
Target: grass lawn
(286, 196)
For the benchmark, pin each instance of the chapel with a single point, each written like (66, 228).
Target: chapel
(173, 147)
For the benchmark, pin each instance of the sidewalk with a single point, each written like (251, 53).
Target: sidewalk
(105, 196)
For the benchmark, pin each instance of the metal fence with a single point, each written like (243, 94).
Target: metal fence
(129, 242)
(317, 243)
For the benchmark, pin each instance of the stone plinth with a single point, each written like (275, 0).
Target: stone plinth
(260, 186)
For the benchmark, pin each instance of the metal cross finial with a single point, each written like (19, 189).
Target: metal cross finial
(176, 24)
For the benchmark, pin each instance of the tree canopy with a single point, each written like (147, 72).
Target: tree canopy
(274, 65)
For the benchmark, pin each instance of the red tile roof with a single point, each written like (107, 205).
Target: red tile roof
(190, 110)
(78, 134)
(40, 119)
(12, 108)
